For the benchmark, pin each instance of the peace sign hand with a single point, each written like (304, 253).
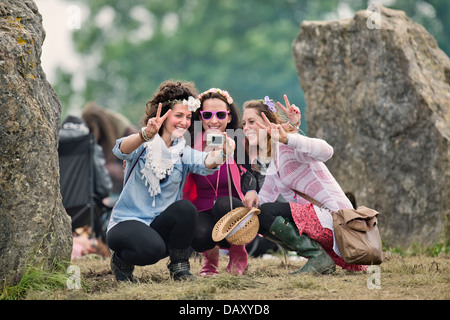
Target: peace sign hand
(276, 131)
(155, 123)
(292, 112)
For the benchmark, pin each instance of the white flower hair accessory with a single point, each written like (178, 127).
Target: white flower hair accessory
(192, 103)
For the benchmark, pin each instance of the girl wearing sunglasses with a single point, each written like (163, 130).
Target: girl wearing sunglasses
(217, 114)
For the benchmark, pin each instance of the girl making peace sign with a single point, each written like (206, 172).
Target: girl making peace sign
(296, 164)
(298, 224)
(149, 221)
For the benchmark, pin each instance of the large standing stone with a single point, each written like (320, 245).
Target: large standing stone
(381, 98)
(34, 227)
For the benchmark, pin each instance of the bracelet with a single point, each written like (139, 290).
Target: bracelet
(295, 125)
(222, 155)
(143, 135)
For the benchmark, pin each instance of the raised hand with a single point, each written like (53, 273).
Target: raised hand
(276, 131)
(219, 154)
(292, 112)
(155, 123)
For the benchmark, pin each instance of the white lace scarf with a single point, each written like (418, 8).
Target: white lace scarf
(159, 162)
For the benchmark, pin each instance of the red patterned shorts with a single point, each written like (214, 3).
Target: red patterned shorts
(306, 220)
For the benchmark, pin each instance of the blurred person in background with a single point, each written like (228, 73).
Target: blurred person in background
(107, 126)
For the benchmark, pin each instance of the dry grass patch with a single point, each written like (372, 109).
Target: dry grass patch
(420, 277)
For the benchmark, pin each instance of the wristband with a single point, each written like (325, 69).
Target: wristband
(295, 125)
(143, 135)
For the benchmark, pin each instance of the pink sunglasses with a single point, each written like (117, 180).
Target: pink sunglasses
(221, 115)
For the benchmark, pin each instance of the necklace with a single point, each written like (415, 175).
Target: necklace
(216, 189)
(262, 155)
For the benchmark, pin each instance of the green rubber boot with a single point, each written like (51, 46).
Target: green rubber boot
(318, 260)
(273, 238)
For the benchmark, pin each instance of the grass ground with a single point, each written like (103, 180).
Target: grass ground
(406, 278)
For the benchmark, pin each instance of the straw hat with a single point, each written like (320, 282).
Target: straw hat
(239, 226)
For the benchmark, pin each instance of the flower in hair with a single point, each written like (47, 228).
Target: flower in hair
(224, 94)
(192, 103)
(269, 103)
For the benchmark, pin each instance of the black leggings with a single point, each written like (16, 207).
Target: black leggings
(139, 244)
(207, 219)
(270, 211)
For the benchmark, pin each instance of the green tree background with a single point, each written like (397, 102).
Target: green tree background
(243, 46)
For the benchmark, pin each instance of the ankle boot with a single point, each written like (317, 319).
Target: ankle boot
(179, 264)
(238, 260)
(122, 270)
(211, 262)
(318, 260)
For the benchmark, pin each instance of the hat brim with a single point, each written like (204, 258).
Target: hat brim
(231, 220)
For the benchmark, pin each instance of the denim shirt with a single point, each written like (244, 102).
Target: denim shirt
(135, 202)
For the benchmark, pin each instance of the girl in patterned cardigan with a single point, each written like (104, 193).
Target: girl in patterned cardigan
(297, 163)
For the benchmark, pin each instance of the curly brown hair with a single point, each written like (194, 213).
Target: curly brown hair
(168, 91)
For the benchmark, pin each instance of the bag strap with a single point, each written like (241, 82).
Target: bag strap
(134, 165)
(312, 200)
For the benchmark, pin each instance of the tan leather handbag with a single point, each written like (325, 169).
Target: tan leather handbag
(356, 232)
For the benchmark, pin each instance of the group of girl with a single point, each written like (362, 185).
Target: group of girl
(175, 190)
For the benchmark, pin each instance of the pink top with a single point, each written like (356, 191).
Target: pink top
(201, 190)
(209, 188)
